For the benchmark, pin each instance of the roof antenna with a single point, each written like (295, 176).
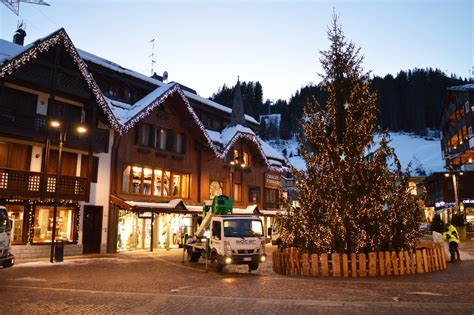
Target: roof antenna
(152, 56)
(14, 5)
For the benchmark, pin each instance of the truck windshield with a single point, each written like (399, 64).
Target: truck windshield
(243, 228)
(4, 222)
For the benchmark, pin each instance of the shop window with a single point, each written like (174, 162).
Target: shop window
(216, 188)
(254, 195)
(43, 226)
(166, 183)
(147, 174)
(237, 192)
(16, 214)
(157, 182)
(185, 186)
(176, 184)
(136, 179)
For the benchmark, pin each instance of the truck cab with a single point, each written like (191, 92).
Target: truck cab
(6, 257)
(225, 238)
(237, 240)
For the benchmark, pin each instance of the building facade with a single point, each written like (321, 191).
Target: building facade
(159, 152)
(457, 128)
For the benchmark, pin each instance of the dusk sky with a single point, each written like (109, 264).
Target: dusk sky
(204, 44)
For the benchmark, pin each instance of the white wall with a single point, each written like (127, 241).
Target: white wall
(100, 191)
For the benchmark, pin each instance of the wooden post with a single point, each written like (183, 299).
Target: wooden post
(345, 265)
(436, 258)
(412, 260)
(336, 265)
(419, 262)
(362, 265)
(382, 263)
(324, 265)
(354, 265)
(395, 263)
(372, 264)
(315, 265)
(401, 263)
(388, 264)
(425, 261)
(305, 264)
(408, 262)
(432, 256)
(443, 259)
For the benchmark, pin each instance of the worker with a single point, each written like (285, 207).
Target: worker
(452, 237)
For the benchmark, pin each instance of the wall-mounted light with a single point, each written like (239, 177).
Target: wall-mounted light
(446, 174)
(55, 124)
(81, 129)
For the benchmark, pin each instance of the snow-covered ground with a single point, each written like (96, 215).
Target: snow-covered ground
(424, 153)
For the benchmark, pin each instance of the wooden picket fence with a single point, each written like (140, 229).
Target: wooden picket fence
(428, 257)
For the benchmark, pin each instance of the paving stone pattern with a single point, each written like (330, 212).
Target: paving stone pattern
(144, 282)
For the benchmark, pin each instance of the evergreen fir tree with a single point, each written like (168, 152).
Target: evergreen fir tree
(350, 200)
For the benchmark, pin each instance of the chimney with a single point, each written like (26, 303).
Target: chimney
(19, 37)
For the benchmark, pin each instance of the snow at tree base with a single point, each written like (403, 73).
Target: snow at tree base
(424, 154)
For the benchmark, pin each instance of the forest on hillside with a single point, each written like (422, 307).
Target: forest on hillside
(412, 101)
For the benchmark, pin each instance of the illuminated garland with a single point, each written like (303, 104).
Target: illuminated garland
(61, 37)
(45, 45)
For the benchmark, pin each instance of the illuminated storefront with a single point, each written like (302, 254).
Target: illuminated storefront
(135, 230)
(33, 222)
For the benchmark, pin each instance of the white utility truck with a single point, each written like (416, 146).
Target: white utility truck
(231, 239)
(6, 257)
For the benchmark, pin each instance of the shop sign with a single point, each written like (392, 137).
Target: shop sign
(442, 205)
(468, 201)
(272, 181)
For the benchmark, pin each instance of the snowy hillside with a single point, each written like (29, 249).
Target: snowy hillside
(421, 152)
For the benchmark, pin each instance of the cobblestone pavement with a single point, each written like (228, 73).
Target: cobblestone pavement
(144, 282)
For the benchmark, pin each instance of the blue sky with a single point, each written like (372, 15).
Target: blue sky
(204, 44)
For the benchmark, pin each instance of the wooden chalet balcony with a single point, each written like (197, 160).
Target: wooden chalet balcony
(25, 184)
(33, 127)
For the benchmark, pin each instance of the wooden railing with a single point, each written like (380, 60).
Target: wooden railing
(25, 184)
(428, 257)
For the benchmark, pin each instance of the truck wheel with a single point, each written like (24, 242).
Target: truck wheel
(218, 267)
(253, 266)
(8, 263)
(193, 256)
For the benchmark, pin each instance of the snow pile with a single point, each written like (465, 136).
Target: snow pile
(424, 154)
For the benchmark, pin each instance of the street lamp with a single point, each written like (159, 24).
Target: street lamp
(62, 138)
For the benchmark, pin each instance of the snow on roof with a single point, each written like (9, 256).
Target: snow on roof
(270, 151)
(124, 111)
(228, 133)
(214, 135)
(118, 68)
(9, 50)
(172, 204)
(215, 105)
(465, 87)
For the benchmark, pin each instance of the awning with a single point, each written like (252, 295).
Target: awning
(172, 206)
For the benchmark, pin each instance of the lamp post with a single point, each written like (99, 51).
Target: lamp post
(62, 138)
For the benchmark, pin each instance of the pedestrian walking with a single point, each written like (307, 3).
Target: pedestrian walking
(451, 236)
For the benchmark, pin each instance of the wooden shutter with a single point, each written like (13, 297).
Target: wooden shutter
(94, 170)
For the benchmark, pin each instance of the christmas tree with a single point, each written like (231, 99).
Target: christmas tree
(353, 196)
